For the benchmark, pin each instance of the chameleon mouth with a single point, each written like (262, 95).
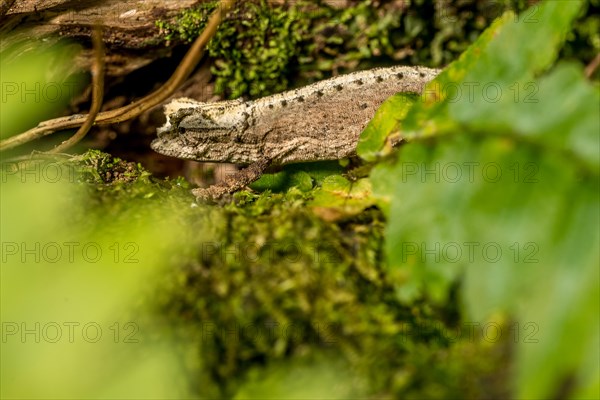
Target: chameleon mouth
(169, 141)
(165, 145)
(174, 145)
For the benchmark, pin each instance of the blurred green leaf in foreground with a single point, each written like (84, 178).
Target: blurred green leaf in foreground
(498, 189)
(75, 323)
(37, 81)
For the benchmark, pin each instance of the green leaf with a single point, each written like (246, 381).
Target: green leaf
(527, 46)
(339, 198)
(505, 58)
(385, 122)
(299, 175)
(429, 115)
(519, 225)
(79, 286)
(504, 197)
(284, 180)
(276, 182)
(30, 94)
(560, 111)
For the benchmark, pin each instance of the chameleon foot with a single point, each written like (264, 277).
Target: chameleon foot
(233, 182)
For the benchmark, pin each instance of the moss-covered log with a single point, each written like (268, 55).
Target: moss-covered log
(130, 34)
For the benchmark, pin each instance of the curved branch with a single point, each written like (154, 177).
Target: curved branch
(97, 93)
(592, 66)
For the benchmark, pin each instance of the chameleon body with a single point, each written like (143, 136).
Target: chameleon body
(321, 121)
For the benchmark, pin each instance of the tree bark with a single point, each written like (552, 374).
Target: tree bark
(130, 35)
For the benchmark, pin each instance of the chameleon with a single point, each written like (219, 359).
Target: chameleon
(318, 122)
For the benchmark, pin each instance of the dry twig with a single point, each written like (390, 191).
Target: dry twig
(97, 93)
(592, 66)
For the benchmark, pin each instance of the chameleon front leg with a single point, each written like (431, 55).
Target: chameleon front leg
(234, 182)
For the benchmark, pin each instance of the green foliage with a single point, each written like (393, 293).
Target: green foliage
(253, 47)
(262, 44)
(30, 94)
(272, 299)
(260, 274)
(187, 26)
(303, 378)
(375, 136)
(73, 279)
(264, 305)
(83, 248)
(97, 167)
(301, 176)
(583, 42)
(339, 198)
(502, 195)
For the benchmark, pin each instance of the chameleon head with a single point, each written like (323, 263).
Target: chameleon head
(194, 129)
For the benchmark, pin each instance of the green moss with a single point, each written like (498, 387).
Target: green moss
(273, 282)
(263, 281)
(262, 44)
(112, 184)
(187, 25)
(99, 167)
